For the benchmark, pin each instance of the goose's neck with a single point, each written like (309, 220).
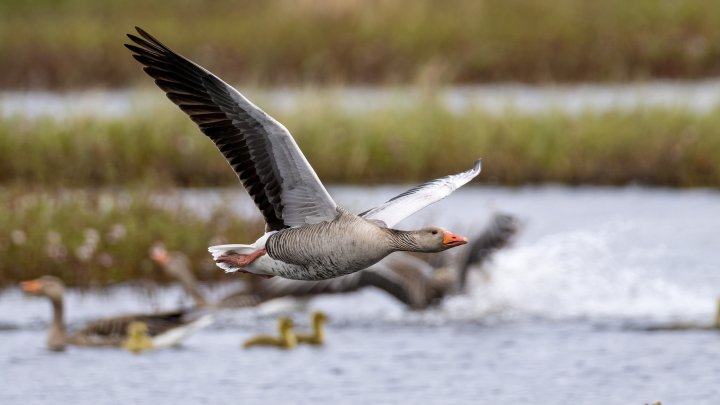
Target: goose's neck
(57, 336)
(287, 337)
(404, 240)
(318, 331)
(191, 286)
(189, 282)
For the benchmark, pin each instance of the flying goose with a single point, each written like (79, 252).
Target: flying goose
(165, 329)
(308, 236)
(409, 279)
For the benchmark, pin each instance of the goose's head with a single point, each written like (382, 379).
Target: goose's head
(48, 286)
(159, 254)
(137, 329)
(435, 239)
(285, 324)
(319, 317)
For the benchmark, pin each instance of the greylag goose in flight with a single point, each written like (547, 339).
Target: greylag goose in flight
(409, 279)
(165, 329)
(308, 236)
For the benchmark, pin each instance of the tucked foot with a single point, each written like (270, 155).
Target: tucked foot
(240, 261)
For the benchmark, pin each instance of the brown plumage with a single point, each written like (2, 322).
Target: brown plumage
(106, 331)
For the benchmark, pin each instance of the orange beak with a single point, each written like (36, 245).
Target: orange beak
(452, 240)
(31, 286)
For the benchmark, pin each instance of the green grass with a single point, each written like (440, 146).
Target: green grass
(652, 146)
(73, 43)
(99, 238)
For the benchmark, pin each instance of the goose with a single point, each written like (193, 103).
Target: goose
(307, 235)
(138, 339)
(317, 337)
(165, 329)
(411, 280)
(286, 340)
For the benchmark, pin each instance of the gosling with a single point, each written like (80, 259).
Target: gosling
(287, 339)
(317, 338)
(138, 339)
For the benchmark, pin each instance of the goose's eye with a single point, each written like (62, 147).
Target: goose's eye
(434, 232)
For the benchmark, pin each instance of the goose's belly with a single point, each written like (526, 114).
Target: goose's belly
(292, 254)
(311, 271)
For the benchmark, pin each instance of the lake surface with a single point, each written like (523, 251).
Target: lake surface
(560, 321)
(698, 96)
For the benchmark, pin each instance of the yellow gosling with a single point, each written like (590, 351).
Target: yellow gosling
(138, 339)
(287, 339)
(318, 335)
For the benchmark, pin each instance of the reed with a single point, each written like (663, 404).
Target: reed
(78, 43)
(650, 146)
(99, 238)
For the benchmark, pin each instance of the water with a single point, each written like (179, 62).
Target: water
(561, 320)
(700, 96)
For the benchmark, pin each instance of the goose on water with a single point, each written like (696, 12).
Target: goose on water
(138, 340)
(286, 340)
(317, 337)
(308, 236)
(165, 329)
(411, 280)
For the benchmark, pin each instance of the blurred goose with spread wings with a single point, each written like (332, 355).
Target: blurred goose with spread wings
(308, 236)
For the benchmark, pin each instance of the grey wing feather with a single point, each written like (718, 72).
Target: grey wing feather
(411, 201)
(260, 150)
(498, 234)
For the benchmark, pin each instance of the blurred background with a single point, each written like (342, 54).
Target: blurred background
(599, 127)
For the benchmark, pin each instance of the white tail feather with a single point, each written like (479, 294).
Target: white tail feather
(220, 250)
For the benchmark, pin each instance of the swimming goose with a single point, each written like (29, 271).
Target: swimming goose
(138, 339)
(165, 329)
(317, 337)
(409, 279)
(308, 236)
(286, 340)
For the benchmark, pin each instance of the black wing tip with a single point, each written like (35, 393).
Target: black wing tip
(144, 38)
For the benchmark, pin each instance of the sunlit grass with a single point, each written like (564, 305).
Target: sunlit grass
(104, 237)
(653, 146)
(78, 42)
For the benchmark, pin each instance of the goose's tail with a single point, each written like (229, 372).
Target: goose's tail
(220, 250)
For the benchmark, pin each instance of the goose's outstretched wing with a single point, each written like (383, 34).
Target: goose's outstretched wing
(403, 205)
(498, 234)
(261, 150)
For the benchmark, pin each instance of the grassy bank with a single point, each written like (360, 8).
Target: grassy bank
(78, 43)
(653, 146)
(101, 238)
